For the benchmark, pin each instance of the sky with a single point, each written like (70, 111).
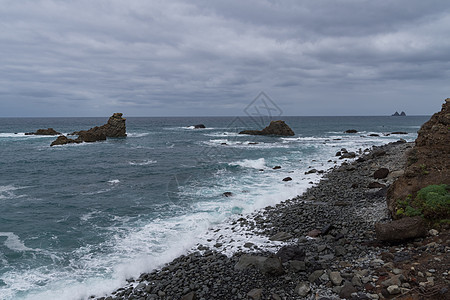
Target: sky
(212, 58)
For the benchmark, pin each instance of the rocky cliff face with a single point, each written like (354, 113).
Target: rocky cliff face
(429, 160)
(275, 128)
(114, 128)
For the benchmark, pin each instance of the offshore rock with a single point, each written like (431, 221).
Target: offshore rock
(428, 161)
(403, 229)
(48, 131)
(199, 126)
(114, 128)
(279, 128)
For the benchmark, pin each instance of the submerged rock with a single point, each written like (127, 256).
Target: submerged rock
(48, 131)
(279, 128)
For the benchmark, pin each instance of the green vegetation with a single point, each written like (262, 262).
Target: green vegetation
(432, 202)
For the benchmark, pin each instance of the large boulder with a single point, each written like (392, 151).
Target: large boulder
(279, 128)
(399, 230)
(427, 163)
(114, 128)
(48, 131)
(63, 140)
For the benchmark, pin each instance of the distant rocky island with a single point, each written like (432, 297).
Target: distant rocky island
(279, 128)
(114, 128)
(396, 114)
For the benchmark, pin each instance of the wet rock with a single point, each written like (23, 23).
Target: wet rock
(312, 171)
(63, 140)
(381, 173)
(281, 236)
(287, 179)
(279, 128)
(399, 132)
(227, 194)
(48, 131)
(351, 131)
(276, 167)
(199, 126)
(348, 155)
(406, 228)
(291, 252)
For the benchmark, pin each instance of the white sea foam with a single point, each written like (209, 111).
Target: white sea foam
(7, 191)
(114, 181)
(142, 163)
(259, 163)
(13, 242)
(142, 134)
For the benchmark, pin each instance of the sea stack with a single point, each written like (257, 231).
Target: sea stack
(279, 128)
(115, 128)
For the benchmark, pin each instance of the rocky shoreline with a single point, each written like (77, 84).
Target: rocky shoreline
(321, 245)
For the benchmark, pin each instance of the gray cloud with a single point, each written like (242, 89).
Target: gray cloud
(204, 57)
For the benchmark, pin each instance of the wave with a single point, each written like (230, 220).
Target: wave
(114, 181)
(259, 163)
(142, 163)
(138, 134)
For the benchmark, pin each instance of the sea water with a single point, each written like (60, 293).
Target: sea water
(78, 220)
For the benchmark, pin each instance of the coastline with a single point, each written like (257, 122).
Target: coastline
(341, 261)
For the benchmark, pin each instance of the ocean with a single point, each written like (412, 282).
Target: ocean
(79, 219)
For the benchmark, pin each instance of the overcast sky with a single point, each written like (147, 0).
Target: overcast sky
(194, 58)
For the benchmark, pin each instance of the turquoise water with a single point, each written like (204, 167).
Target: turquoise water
(77, 220)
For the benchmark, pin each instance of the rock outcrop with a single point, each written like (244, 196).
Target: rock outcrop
(428, 162)
(48, 131)
(279, 128)
(114, 128)
(199, 126)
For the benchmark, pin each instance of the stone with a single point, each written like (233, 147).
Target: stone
(48, 131)
(255, 294)
(347, 290)
(278, 128)
(340, 251)
(398, 230)
(381, 173)
(335, 278)
(189, 296)
(351, 131)
(281, 236)
(227, 194)
(297, 265)
(276, 167)
(376, 185)
(302, 289)
(393, 289)
(199, 126)
(314, 233)
(312, 171)
(272, 266)
(247, 261)
(348, 155)
(287, 179)
(291, 252)
(315, 275)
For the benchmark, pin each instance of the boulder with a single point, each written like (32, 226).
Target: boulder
(287, 179)
(381, 173)
(403, 229)
(276, 167)
(281, 236)
(48, 131)
(227, 194)
(348, 155)
(291, 252)
(279, 128)
(351, 131)
(199, 126)
(272, 266)
(63, 140)
(248, 261)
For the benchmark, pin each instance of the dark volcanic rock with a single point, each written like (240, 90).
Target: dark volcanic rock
(375, 185)
(381, 173)
(279, 128)
(48, 131)
(291, 252)
(114, 128)
(402, 229)
(287, 179)
(199, 126)
(227, 194)
(63, 140)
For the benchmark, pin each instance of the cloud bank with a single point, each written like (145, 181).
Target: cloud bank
(163, 58)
